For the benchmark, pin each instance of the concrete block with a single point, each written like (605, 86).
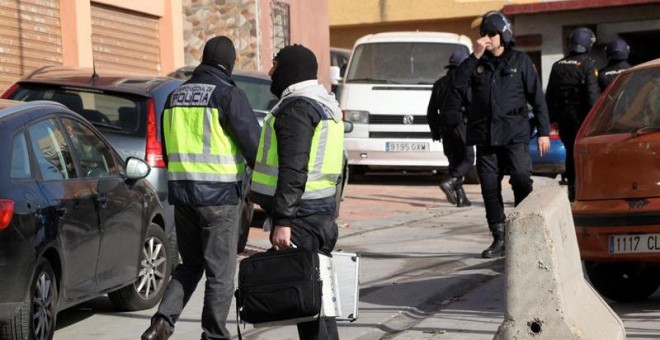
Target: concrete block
(547, 296)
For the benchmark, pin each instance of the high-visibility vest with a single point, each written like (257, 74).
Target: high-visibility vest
(198, 148)
(325, 158)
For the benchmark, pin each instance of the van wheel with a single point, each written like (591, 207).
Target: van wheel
(471, 177)
(623, 281)
(153, 274)
(35, 319)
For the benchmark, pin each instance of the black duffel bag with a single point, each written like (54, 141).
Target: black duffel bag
(279, 285)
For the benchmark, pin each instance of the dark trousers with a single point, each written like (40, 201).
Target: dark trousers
(317, 232)
(493, 162)
(207, 238)
(459, 155)
(567, 133)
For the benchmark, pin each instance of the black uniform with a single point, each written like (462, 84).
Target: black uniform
(446, 115)
(498, 122)
(609, 72)
(572, 91)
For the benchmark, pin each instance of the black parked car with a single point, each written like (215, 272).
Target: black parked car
(76, 221)
(127, 110)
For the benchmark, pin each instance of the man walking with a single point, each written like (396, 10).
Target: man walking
(572, 91)
(298, 163)
(209, 132)
(502, 81)
(446, 115)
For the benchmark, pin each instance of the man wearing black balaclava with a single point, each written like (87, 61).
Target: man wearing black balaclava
(209, 132)
(298, 193)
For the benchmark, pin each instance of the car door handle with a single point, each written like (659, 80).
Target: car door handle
(61, 211)
(103, 200)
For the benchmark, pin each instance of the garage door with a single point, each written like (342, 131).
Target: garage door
(125, 40)
(30, 37)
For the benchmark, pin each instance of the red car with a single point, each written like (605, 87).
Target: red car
(617, 207)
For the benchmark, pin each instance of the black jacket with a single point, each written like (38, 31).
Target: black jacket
(238, 119)
(446, 107)
(501, 88)
(609, 72)
(572, 90)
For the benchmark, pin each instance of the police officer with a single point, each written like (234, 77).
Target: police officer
(572, 91)
(445, 114)
(502, 81)
(209, 132)
(298, 164)
(617, 52)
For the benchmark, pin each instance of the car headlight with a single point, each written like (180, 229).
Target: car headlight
(356, 116)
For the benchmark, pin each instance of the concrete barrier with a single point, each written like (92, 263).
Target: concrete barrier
(547, 296)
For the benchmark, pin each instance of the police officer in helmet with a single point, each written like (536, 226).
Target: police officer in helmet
(572, 91)
(617, 52)
(446, 115)
(503, 82)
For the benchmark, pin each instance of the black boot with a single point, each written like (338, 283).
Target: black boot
(496, 248)
(447, 186)
(463, 201)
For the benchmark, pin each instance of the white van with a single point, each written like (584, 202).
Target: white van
(385, 93)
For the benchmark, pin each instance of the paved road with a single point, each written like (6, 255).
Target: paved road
(421, 277)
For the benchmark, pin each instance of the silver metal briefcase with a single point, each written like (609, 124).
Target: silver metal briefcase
(347, 269)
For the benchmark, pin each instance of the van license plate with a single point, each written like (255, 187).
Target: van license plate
(406, 147)
(641, 243)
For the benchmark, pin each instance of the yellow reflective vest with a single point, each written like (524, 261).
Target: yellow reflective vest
(198, 148)
(325, 159)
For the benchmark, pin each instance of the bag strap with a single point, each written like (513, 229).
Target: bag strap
(238, 318)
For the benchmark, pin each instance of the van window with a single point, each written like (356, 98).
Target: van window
(410, 63)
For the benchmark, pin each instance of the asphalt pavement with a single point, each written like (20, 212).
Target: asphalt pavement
(421, 275)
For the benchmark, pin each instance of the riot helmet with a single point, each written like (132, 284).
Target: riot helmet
(617, 49)
(495, 21)
(581, 39)
(456, 59)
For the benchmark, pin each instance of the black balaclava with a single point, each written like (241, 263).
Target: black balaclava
(295, 63)
(220, 52)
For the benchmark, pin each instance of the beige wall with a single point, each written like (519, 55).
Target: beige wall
(350, 19)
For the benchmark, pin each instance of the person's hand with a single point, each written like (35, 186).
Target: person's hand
(543, 145)
(281, 237)
(480, 46)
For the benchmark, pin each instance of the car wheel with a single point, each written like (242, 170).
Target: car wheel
(153, 274)
(35, 319)
(623, 281)
(247, 212)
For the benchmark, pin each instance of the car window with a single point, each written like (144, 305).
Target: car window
(632, 105)
(51, 151)
(114, 112)
(93, 154)
(20, 158)
(257, 92)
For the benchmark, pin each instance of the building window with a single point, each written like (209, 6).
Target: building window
(281, 24)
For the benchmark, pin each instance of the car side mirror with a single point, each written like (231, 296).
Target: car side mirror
(334, 75)
(348, 126)
(136, 168)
